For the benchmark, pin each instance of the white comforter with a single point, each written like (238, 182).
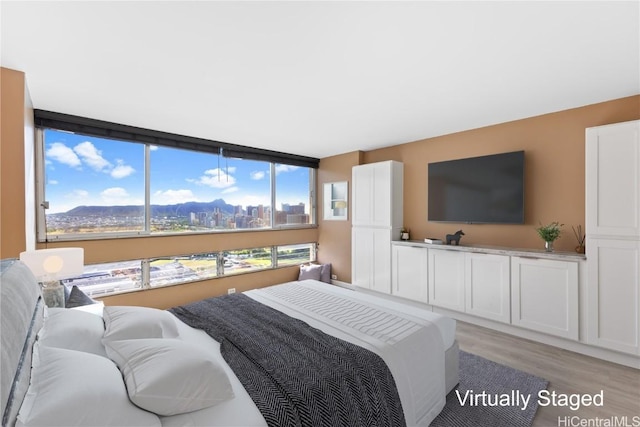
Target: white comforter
(409, 340)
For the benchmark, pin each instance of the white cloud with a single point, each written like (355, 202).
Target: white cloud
(63, 154)
(52, 182)
(257, 175)
(285, 168)
(115, 196)
(121, 170)
(230, 190)
(91, 156)
(77, 194)
(216, 178)
(153, 148)
(171, 197)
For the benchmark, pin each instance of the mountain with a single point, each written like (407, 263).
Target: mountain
(177, 210)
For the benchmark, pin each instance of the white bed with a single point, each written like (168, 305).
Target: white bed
(420, 352)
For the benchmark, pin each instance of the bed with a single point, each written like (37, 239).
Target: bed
(142, 366)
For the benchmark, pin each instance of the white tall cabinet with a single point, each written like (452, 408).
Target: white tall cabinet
(613, 236)
(376, 221)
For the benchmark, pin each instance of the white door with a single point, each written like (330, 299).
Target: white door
(487, 286)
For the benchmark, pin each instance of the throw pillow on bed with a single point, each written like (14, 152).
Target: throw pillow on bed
(321, 272)
(310, 271)
(125, 323)
(73, 330)
(170, 376)
(77, 298)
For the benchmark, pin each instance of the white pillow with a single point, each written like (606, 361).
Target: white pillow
(170, 376)
(73, 330)
(73, 388)
(125, 323)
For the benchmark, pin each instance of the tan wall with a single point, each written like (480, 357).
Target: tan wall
(335, 236)
(554, 146)
(14, 130)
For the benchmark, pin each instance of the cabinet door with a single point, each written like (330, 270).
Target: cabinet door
(362, 257)
(613, 180)
(544, 296)
(613, 287)
(487, 286)
(381, 259)
(362, 195)
(446, 279)
(409, 272)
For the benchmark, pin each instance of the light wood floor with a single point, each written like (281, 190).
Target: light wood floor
(567, 372)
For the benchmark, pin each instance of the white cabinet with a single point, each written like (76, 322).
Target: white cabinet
(544, 295)
(613, 287)
(409, 272)
(613, 180)
(613, 236)
(487, 286)
(446, 278)
(377, 195)
(376, 221)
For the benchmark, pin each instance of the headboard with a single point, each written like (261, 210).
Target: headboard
(21, 317)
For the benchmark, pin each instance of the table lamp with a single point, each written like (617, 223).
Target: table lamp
(51, 265)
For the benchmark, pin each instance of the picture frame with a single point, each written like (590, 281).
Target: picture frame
(336, 201)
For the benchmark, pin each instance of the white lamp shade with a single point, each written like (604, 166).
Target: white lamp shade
(54, 264)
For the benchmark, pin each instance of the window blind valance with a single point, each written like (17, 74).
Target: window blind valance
(104, 129)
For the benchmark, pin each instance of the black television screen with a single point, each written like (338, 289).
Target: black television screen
(487, 189)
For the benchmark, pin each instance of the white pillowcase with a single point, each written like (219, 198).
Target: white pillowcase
(73, 388)
(73, 330)
(125, 323)
(170, 376)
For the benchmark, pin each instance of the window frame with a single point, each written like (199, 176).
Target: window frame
(145, 268)
(42, 203)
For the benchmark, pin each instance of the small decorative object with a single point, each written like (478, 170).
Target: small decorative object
(404, 233)
(580, 237)
(455, 237)
(549, 233)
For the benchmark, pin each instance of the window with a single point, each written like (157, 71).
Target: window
(295, 254)
(101, 187)
(246, 260)
(292, 195)
(182, 269)
(126, 276)
(92, 185)
(109, 278)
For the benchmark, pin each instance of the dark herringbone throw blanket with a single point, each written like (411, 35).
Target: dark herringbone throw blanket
(297, 375)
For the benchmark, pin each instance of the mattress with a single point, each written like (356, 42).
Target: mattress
(391, 329)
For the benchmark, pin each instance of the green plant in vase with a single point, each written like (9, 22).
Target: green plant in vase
(549, 233)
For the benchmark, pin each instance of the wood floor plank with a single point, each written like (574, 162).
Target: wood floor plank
(566, 371)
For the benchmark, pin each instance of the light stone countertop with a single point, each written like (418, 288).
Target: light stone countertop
(499, 250)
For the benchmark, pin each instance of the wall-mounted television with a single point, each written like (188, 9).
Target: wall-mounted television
(487, 189)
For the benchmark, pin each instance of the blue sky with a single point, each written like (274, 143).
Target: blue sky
(84, 170)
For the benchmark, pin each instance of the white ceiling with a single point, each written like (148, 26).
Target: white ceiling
(321, 78)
